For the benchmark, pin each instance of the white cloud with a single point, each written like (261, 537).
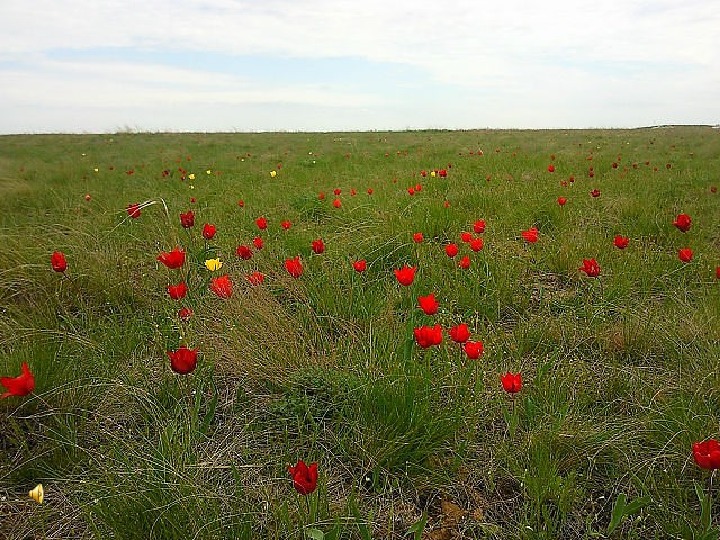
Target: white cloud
(583, 59)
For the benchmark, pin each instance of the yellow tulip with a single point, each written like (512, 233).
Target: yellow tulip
(432, 174)
(37, 494)
(273, 173)
(191, 176)
(213, 264)
(209, 171)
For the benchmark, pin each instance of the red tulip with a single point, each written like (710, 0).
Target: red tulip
(241, 203)
(337, 203)
(183, 360)
(337, 192)
(446, 204)
(683, 222)
(173, 259)
(713, 189)
(595, 193)
(19, 386)
(428, 304)
(318, 246)
(621, 242)
(321, 196)
(261, 223)
(418, 187)
(418, 237)
(133, 210)
(551, 168)
(209, 231)
(464, 262)
(187, 219)
(562, 201)
(685, 255)
(590, 267)
(465, 237)
(58, 262)
(256, 278)
(405, 275)
(531, 235)
(717, 273)
(304, 477)
(185, 313)
(423, 173)
(427, 336)
(476, 244)
(222, 286)
(411, 191)
(473, 349)
(479, 226)
(258, 243)
(370, 191)
(442, 173)
(451, 250)
(460, 333)
(707, 454)
(178, 291)
(294, 267)
(360, 266)
(512, 383)
(285, 224)
(244, 252)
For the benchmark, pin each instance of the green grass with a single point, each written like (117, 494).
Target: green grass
(620, 372)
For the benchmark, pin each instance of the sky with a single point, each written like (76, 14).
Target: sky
(77, 66)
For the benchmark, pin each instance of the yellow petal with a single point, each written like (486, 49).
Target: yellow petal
(213, 264)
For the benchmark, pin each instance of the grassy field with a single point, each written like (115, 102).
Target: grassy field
(619, 371)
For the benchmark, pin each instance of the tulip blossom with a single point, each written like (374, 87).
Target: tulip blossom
(451, 250)
(178, 291)
(19, 386)
(187, 219)
(337, 203)
(256, 278)
(460, 333)
(562, 201)
(285, 224)
(360, 266)
(213, 264)
(243, 252)
(427, 336)
(621, 242)
(683, 222)
(707, 454)
(551, 168)
(183, 360)
(473, 349)
(418, 238)
(465, 237)
(511, 383)
(685, 255)
(209, 231)
(261, 223)
(58, 262)
(222, 286)
(294, 267)
(531, 235)
(304, 477)
(133, 210)
(318, 246)
(405, 275)
(258, 242)
(464, 263)
(595, 193)
(479, 226)
(590, 267)
(476, 244)
(185, 313)
(428, 304)
(172, 259)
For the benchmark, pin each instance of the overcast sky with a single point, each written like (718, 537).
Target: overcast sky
(255, 65)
